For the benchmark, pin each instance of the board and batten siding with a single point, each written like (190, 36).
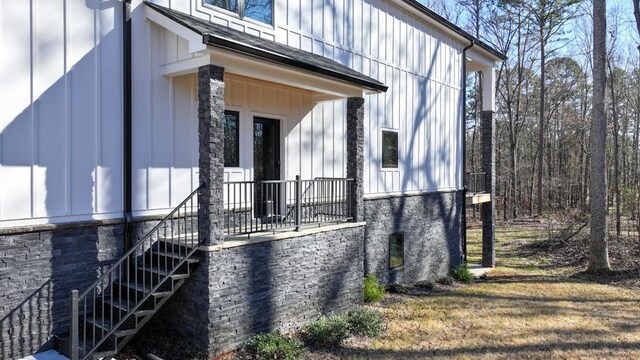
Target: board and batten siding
(165, 155)
(421, 66)
(60, 111)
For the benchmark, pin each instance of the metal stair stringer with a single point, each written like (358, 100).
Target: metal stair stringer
(108, 314)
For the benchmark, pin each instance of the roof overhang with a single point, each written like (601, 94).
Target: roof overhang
(482, 49)
(248, 55)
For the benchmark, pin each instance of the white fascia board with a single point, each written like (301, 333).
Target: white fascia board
(194, 39)
(183, 67)
(477, 59)
(248, 66)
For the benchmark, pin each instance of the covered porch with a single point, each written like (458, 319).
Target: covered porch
(280, 131)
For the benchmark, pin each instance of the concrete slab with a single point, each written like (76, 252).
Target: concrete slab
(478, 270)
(46, 355)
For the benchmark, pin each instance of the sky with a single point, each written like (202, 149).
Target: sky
(619, 12)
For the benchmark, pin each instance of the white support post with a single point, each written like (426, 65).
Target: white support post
(488, 89)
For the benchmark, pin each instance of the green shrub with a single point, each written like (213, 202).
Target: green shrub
(462, 273)
(327, 331)
(373, 290)
(364, 322)
(274, 346)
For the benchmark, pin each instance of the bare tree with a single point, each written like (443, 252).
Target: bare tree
(549, 17)
(636, 14)
(599, 249)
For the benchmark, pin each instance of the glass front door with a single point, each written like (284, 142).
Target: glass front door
(266, 165)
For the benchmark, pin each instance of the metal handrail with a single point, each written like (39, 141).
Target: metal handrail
(476, 182)
(283, 205)
(110, 274)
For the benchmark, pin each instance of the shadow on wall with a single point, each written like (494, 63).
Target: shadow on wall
(45, 149)
(442, 209)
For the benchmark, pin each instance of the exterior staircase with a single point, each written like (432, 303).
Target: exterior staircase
(108, 314)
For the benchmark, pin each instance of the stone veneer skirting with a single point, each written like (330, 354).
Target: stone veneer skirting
(40, 265)
(269, 285)
(431, 223)
(241, 287)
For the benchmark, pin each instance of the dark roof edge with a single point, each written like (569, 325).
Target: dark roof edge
(284, 60)
(237, 47)
(455, 28)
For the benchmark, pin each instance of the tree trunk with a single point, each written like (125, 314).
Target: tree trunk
(598, 246)
(514, 177)
(541, 129)
(616, 150)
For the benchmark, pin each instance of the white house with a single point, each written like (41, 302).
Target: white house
(265, 154)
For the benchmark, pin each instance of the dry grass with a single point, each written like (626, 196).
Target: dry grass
(527, 308)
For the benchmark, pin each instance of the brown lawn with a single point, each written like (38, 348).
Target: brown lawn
(528, 308)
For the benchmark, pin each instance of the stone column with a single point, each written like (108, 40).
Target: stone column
(355, 154)
(211, 147)
(488, 209)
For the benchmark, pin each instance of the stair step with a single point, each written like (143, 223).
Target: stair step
(123, 306)
(103, 326)
(193, 235)
(146, 288)
(177, 257)
(163, 272)
(178, 244)
(172, 258)
(103, 351)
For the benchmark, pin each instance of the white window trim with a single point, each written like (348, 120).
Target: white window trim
(240, 14)
(397, 131)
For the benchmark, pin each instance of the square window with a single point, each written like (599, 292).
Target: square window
(231, 138)
(396, 250)
(389, 149)
(231, 5)
(259, 10)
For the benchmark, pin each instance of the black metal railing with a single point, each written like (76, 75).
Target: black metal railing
(475, 182)
(129, 283)
(278, 205)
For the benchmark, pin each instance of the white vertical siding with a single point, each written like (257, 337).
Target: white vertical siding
(165, 154)
(421, 67)
(61, 118)
(165, 128)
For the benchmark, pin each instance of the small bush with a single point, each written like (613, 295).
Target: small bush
(274, 346)
(462, 273)
(373, 290)
(327, 331)
(364, 322)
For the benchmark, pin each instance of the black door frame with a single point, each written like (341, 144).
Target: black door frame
(274, 190)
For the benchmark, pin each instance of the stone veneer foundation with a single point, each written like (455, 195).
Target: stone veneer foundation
(277, 282)
(40, 265)
(431, 224)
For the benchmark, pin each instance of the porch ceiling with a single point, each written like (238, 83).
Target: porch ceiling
(249, 55)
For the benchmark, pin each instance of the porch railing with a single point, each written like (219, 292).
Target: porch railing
(475, 182)
(128, 284)
(280, 205)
